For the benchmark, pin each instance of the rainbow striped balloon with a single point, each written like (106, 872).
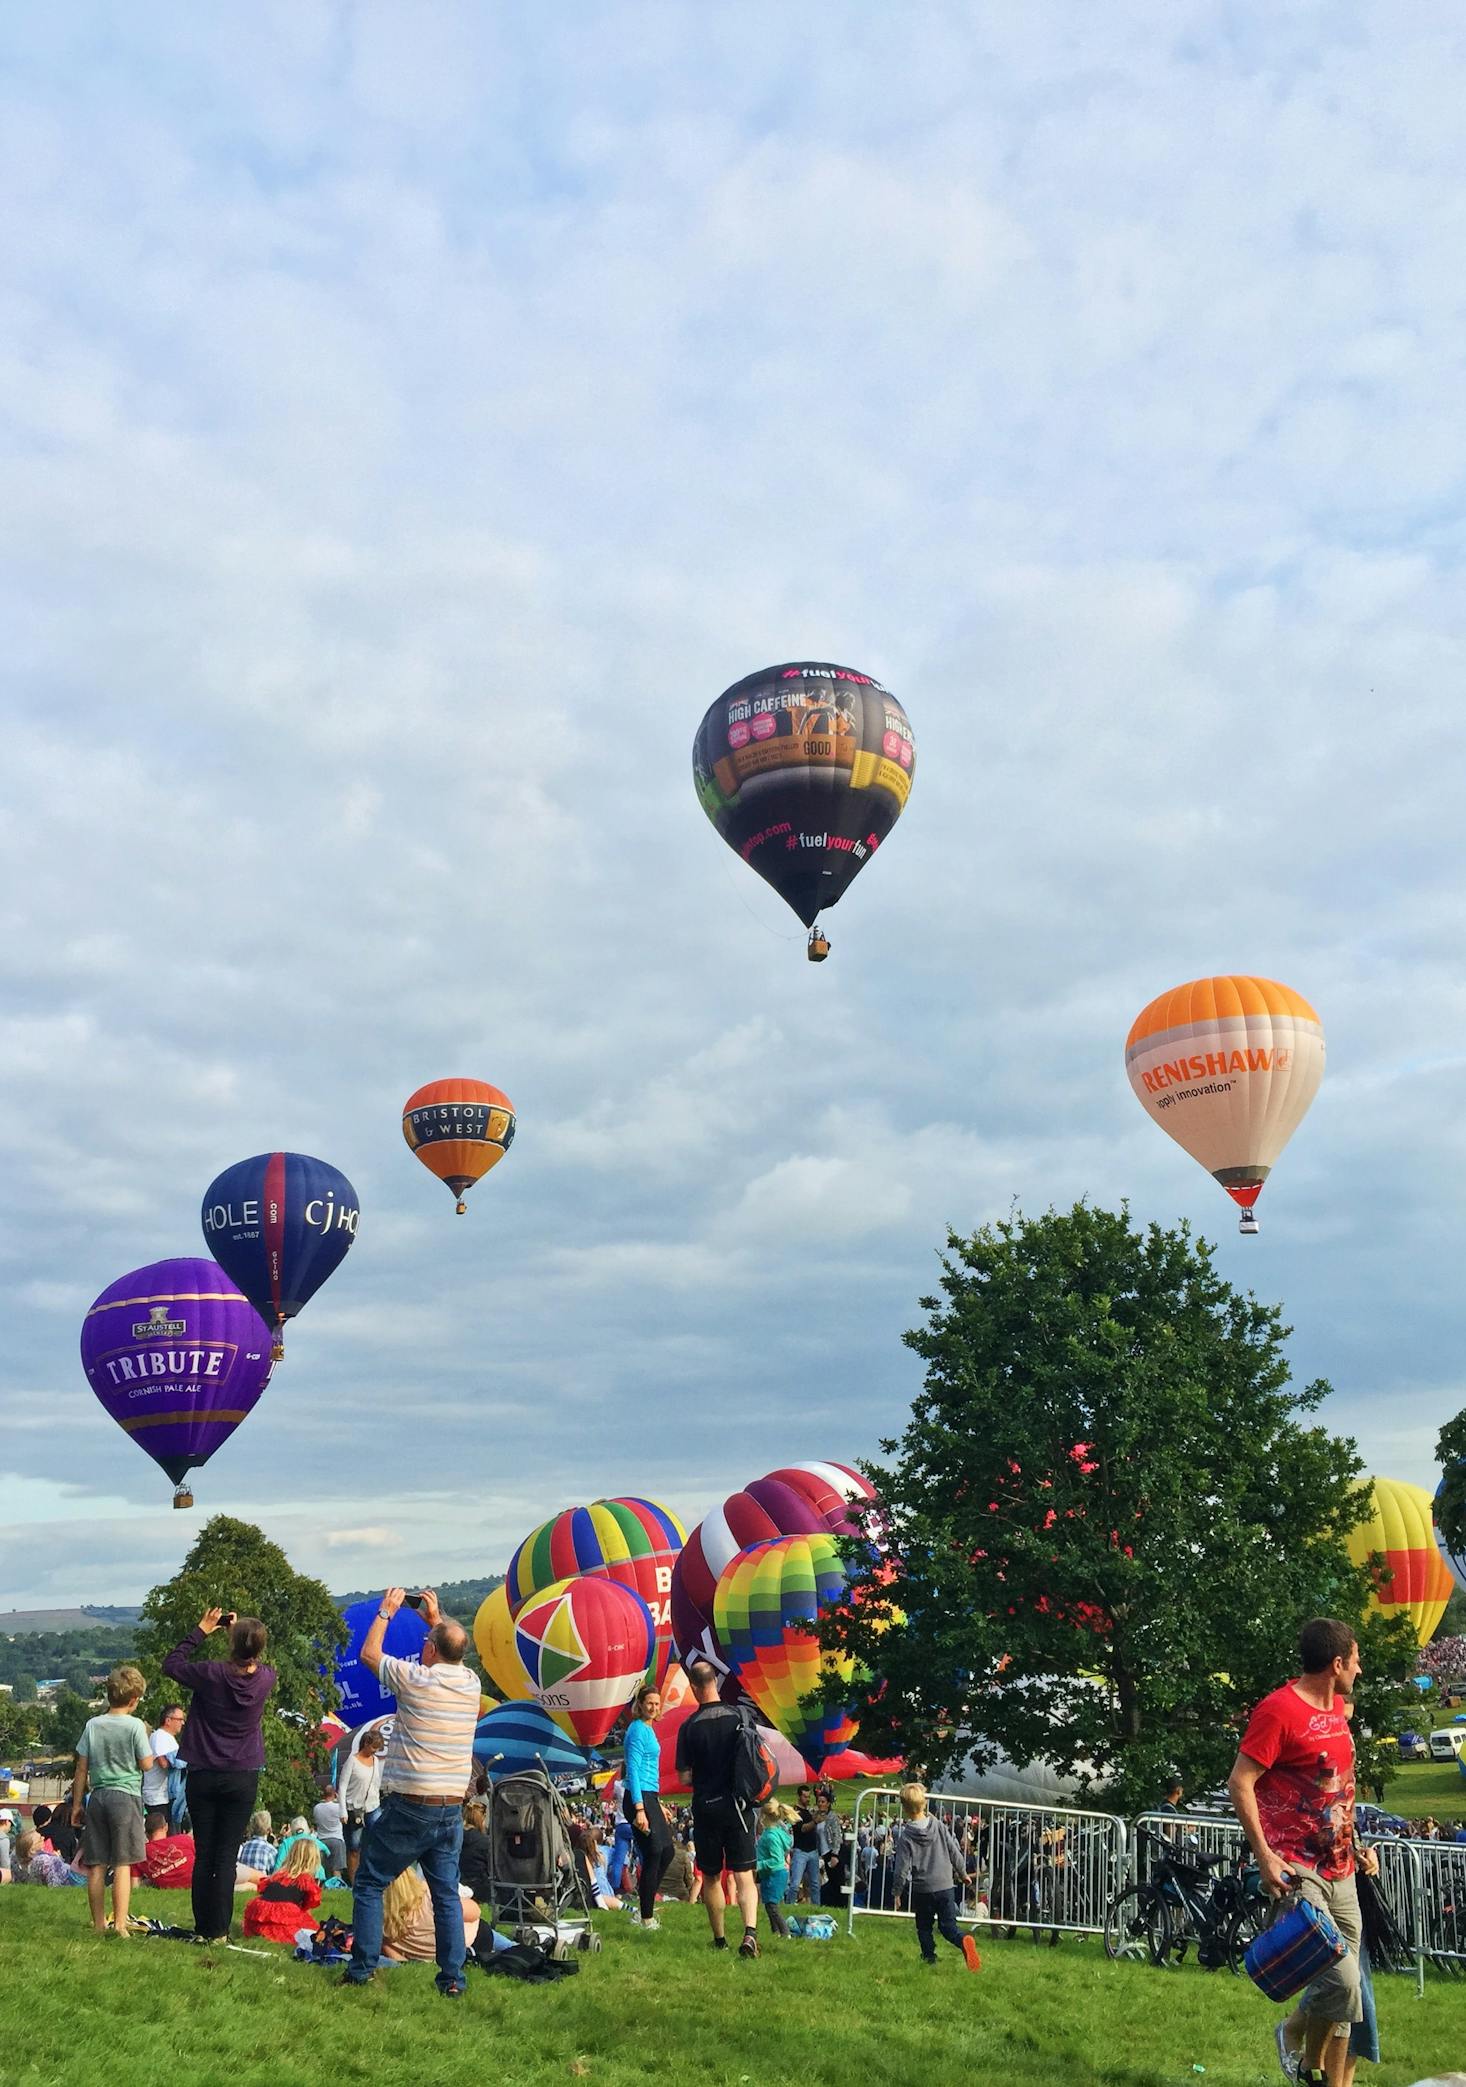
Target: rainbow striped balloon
(763, 1605)
(633, 1542)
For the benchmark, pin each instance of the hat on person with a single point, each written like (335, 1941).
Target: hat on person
(7, 1818)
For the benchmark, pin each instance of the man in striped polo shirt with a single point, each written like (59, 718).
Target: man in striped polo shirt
(426, 1772)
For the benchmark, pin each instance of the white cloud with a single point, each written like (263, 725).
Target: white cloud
(409, 425)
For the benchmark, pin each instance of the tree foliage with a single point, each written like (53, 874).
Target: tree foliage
(1107, 1517)
(1450, 1503)
(234, 1565)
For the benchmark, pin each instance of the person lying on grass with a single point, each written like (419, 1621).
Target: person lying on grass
(36, 1864)
(111, 1755)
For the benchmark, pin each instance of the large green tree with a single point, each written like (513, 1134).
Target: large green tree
(234, 1565)
(1108, 1516)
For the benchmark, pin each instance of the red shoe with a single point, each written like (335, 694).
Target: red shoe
(969, 1950)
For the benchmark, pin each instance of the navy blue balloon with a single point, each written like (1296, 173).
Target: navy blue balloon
(362, 1695)
(279, 1224)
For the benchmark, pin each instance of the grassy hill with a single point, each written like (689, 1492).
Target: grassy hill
(24, 1622)
(656, 2011)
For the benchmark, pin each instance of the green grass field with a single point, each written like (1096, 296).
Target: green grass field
(77, 2009)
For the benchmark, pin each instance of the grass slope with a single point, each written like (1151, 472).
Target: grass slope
(664, 2008)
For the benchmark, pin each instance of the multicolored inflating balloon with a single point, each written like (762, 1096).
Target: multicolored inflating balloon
(459, 1129)
(585, 1645)
(799, 1499)
(634, 1542)
(804, 769)
(493, 1637)
(279, 1224)
(363, 1697)
(178, 1358)
(516, 1738)
(1401, 1527)
(1227, 1067)
(762, 1608)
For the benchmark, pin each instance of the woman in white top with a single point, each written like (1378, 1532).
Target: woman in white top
(361, 1793)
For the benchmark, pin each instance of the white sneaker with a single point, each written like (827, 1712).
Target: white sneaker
(636, 1917)
(648, 1927)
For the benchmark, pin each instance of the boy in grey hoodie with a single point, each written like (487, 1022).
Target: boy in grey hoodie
(928, 1855)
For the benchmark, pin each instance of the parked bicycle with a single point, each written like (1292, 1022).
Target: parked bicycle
(1182, 1901)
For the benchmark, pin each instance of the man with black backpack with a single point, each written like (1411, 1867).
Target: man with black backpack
(717, 1752)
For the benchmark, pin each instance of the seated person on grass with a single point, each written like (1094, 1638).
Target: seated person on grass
(407, 1919)
(287, 1899)
(168, 1865)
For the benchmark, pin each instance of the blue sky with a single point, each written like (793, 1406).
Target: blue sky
(410, 419)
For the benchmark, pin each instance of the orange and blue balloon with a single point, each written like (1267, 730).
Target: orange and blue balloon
(459, 1129)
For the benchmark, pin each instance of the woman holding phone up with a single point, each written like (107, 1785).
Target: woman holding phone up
(224, 1749)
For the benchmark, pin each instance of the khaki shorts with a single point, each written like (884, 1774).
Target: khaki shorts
(114, 1830)
(1334, 1994)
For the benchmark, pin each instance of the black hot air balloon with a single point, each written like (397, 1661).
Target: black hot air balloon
(804, 769)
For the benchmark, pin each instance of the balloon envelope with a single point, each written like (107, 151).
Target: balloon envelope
(586, 1645)
(791, 1767)
(804, 769)
(279, 1224)
(1400, 1526)
(493, 1637)
(518, 1737)
(762, 1606)
(1227, 1067)
(459, 1129)
(797, 1499)
(177, 1357)
(363, 1697)
(631, 1541)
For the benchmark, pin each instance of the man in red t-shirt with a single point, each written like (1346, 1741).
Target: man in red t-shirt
(1293, 1789)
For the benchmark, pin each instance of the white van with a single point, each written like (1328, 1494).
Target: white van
(1446, 1744)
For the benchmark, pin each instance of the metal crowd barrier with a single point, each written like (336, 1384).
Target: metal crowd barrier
(1045, 1867)
(1054, 1867)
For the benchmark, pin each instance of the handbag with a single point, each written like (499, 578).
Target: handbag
(1291, 1953)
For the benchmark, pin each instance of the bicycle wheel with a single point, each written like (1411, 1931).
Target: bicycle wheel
(1246, 1924)
(1136, 1925)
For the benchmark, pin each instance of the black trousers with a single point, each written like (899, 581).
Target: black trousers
(654, 1850)
(220, 1801)
(935, 1909)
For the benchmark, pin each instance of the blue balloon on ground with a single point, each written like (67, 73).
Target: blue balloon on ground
(516, 1737)
(362, 1695)
(278, 1225)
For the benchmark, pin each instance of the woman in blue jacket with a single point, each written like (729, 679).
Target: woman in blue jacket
(642, 1807)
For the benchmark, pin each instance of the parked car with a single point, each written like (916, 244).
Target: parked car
(1413, 1746)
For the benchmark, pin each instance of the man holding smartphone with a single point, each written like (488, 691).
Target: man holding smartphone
(428, 1767)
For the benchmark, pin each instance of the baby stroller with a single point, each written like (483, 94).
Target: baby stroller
(541, 1892)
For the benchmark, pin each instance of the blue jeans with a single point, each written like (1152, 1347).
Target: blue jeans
(620, 1848)
(403, 1834)
(804, 1864)
(935, 1909)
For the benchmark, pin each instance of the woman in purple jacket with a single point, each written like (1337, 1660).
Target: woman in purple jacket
(224, 1750)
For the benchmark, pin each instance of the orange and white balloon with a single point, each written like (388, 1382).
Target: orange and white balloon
(1227, 1067)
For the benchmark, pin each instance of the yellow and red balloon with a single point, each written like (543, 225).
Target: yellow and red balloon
(1400, 1526)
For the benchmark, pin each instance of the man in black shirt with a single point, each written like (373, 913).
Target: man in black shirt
(722, 1828)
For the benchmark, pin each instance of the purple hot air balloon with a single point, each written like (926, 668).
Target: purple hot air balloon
(178, 1358)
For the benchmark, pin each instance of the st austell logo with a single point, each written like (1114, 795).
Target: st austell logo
(158, 1325)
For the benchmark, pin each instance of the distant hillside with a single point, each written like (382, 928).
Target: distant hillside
(14, 1622)
(458, 1598)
